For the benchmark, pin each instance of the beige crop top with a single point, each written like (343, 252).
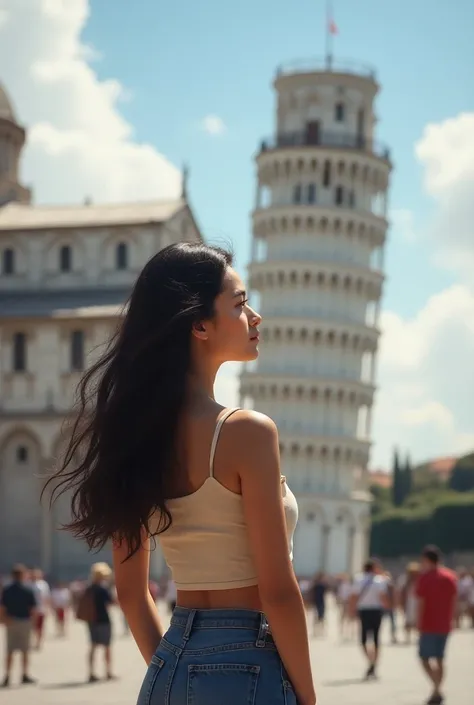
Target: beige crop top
(207, 545)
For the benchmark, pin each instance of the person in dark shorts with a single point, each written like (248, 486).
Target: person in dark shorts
(100, 627)
(17, 610)
(318, 598)
(370, 600)
(436, 591)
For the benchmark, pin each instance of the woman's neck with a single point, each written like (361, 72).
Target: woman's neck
(201, 383)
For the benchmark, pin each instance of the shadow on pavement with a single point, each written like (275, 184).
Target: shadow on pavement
(70, 684)
(344, 681)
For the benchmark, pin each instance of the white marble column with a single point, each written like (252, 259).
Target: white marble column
(326, 535)
(350, 550)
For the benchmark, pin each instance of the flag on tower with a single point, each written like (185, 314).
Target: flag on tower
(331, 31)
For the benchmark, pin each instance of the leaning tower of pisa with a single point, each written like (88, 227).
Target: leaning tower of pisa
(319, 230)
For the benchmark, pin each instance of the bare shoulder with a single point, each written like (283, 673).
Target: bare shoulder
(252, 443)
(248, 425)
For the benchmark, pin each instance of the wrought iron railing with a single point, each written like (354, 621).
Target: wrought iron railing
(341, 140)
(324, 65)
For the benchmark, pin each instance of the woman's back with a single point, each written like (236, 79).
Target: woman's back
(207, 545)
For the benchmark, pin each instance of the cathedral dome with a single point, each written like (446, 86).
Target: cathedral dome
(6, 110)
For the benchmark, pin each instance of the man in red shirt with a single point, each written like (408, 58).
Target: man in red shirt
(436, 591)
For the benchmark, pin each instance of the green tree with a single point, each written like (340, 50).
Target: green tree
(407, 481)
(462, 474)
(397, 481)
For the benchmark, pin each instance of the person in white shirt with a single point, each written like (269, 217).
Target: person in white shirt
(60, 602)
(369, 600)
(465, 586)
(43, 600)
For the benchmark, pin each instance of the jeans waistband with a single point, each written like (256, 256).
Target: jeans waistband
(189, 620)
(219, 619)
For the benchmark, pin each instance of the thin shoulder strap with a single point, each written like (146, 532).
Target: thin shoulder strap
(219, 425)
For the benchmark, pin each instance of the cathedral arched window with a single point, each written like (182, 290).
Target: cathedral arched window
(339, 195)
(8, 261)
(327, 173)
(22, 454)
(77, 350)
(121, 256)
(339, 112)
(297, 194)
(65, 258)
(19, 352)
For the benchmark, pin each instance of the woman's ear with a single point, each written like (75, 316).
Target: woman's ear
(199, 330)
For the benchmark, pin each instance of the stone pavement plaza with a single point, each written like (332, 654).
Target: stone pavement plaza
(61, 668)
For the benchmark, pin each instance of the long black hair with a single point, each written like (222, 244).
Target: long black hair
(122, 446)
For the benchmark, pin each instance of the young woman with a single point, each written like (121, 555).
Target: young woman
(161, 459)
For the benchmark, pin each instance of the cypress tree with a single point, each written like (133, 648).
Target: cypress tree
(407, 478)
(397, 481)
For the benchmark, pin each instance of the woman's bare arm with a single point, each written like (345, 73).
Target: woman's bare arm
(255, 446)
(133, 594)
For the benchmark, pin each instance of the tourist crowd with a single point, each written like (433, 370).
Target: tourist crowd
(428, 599)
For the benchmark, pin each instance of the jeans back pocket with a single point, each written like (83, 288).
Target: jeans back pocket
(232, 684)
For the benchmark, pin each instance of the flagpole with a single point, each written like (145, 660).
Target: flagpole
(328, 35)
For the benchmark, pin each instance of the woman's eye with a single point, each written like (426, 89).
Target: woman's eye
(243, 303)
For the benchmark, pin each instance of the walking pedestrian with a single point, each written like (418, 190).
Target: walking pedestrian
(94, 610)
(17, 611)
(465, 585)
(408, 599)
(43, 603)
(369, 601)
(391, 605)
(60, 602)
(436, 591)
(318, 592)
(201, 478)
(346, 619)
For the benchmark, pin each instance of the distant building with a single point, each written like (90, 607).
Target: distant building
(442, 467)
(381, 478)
(65, 273)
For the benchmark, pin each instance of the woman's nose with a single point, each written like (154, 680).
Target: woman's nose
(255, 318)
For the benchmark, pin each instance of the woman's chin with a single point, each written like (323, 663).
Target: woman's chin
(253, 354)
(246, 356)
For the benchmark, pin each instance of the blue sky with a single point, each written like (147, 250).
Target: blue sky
(181, 62)
(157, 70)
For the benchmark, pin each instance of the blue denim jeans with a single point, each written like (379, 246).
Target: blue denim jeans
(217, 657)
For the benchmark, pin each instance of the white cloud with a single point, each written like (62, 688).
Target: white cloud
(3, 16)
(213, 125)
(78, 142)
(426, 370)
(446, 150)
(426, 379)
(429, 412)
